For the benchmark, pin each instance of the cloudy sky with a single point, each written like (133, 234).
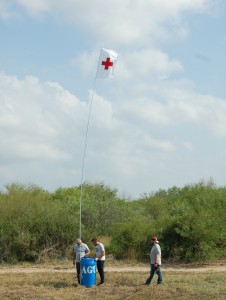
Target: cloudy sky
(160, 122)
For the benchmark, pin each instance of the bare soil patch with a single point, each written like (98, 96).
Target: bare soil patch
(121, 268)
(57, 281)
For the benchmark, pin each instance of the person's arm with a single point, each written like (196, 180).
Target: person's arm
(87, 252)
(157, 259)
(157, 256)
(101, 255)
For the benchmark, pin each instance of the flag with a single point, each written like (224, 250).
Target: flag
(107, 61)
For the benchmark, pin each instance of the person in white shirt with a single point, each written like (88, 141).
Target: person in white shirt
(155, 260)
(100, 258)
(80, 250)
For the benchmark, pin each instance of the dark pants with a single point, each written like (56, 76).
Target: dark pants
(100, 269)
(78, 268)
(152, 273)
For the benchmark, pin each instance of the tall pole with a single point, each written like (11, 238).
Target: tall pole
(84, 155)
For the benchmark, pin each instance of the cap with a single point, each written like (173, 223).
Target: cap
(155, 239)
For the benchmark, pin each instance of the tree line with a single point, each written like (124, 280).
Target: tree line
(190, 222)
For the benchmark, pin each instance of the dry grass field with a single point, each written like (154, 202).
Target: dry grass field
(51, 282)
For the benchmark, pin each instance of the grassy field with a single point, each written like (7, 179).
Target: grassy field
(123, 285)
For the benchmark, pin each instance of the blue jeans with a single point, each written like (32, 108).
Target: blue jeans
(152, 273)
(78, 267)
(100, 269)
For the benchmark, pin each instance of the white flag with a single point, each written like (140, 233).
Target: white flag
(106, 63)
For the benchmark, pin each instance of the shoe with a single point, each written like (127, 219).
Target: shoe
(100, 283)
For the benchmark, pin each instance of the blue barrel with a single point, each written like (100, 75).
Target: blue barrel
(88, 267)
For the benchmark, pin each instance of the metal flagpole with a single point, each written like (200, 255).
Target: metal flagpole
(84, 153)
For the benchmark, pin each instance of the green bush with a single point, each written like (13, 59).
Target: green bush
(129, 239)
(189, 222)
(192, 222)
(32, 224)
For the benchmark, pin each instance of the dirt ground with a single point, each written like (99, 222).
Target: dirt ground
(122, 268)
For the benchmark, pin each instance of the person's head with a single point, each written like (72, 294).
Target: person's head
(79, 241)
(154, 240)
(94, 241)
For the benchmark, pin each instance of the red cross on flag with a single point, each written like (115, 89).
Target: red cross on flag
(106, 63)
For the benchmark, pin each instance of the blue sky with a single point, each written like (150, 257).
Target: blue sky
(159, 122)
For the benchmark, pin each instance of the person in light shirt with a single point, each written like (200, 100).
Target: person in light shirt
(100, 258)
(80, 250)
(155, 259)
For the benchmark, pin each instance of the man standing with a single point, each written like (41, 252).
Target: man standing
(80, 250)
(100, 258)
(155, 257)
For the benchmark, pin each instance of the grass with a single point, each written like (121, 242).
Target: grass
(126, 286)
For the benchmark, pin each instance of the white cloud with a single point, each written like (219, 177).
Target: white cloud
(102, 115)
(41, 122)
(188, 145)
(34, 8)
(145, 64)
(6, 11)
(43, 126)
(142, 133)
(86, 61)
(180, 107)
(34, 114)
(121, 22)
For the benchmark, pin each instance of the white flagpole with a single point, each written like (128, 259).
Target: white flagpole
(84, 153)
